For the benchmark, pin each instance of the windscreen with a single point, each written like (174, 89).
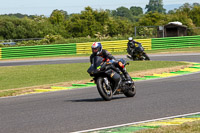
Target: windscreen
(96, 61)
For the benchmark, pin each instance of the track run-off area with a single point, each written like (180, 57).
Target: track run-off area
(83, 109)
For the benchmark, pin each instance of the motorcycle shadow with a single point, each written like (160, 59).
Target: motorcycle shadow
(95, 99)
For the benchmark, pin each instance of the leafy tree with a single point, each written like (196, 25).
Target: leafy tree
(7, 28)
(19, 15)
(101, 16)
(181, 17)
(171, 11)
(153, 19)
(112, 28)
(88, 23)
(58, 16)
(185, 8)
(96, 23)
(75, 25)
(196, 4)
(194, 15)
(136, 11)
(122, 12)
(42, 26)
(155, 6)
(91, 25)
(187, 14)
(125, 27)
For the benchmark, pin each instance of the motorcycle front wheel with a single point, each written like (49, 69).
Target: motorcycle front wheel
(104, 90)
(146, 57)
(131, 92)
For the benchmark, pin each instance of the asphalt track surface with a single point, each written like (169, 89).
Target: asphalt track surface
(165, 57)
(82, 109)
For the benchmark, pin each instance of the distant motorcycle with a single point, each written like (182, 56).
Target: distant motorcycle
(137, 53)
(106, 75)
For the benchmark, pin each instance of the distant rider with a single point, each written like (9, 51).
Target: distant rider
(132, 46)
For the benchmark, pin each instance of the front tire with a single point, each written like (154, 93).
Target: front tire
(131, 92)
(104, 91)
(146, 57)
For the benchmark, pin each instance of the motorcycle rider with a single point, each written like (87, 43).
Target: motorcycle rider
(132, 46)
(97, 50)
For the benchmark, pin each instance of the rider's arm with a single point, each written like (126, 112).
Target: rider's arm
(108, 55)
(91, 56)
(139, 44)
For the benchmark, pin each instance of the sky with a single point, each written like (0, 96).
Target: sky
(45, 7)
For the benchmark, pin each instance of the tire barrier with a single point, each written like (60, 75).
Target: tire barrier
(111, 46)
(175, 42)
(38, 51)
(0, 53)
(85, 48)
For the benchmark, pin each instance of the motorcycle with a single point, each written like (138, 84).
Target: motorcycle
(137, 53)
(106, 75)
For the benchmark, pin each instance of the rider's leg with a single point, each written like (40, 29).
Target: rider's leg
(115, 77)
(126, 74)
(123, 70)
(117, 81)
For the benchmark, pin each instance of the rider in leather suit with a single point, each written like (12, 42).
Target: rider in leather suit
(97, 50)
(131, 46)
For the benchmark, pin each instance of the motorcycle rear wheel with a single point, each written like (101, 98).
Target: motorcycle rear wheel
(104, 91)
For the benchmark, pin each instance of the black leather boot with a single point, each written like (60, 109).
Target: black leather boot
(126, 74)
(122, 76)
(128, 77)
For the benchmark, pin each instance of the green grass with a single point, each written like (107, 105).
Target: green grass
(24, 76)
(8, 93)
(190, 127)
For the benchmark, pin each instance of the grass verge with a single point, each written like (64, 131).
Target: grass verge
(14, 77)
(190, 127)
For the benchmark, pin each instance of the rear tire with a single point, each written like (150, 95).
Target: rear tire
(103, 89)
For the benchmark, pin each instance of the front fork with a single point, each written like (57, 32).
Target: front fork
(107, 83)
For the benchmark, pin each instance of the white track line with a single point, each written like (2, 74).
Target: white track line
(164, 118)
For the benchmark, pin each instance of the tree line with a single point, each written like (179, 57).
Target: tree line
(96, 23)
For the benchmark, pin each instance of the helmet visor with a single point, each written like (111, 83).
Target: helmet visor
(94, 50)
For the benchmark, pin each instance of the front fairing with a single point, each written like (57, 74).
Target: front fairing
(139, 49)
(91, 69)
(122, 61)
(97, 62)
